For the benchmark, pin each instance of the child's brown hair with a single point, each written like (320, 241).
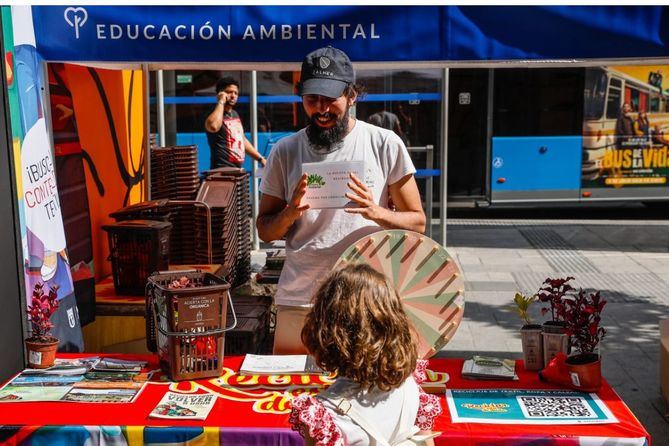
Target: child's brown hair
(358, 328)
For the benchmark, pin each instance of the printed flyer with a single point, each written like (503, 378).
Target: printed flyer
(501, 406)
(184, 406)
(327, 182)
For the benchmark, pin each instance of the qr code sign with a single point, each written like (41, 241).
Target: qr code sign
(564, 407)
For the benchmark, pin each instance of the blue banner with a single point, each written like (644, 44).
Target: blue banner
(366, 33)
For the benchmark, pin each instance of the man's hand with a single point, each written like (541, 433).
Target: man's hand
(222, 97)
(262, 161)
(295, 208)
(364, 198)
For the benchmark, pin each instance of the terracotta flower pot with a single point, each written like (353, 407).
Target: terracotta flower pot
(555, 340)
(533, 351)
(585, 371)
(41, 354)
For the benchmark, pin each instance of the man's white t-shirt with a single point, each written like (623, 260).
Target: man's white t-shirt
(320, 236)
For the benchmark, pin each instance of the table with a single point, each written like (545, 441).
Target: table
(254, 411)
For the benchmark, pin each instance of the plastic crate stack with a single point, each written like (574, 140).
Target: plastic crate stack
(225, 190)
(174, 172)
(243, 264)
(220, 196)
(190, 221)
(189, 241)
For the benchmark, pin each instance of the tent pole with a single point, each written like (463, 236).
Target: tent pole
(160, 93)
(444, 157)
(147, 132)
(254, 164)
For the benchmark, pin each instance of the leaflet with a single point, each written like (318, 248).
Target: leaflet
(184, 406)
(279, 365)
(327, 182)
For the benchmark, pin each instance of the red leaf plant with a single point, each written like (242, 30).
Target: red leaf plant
(554, 291)
(582, 314)
(42, 307)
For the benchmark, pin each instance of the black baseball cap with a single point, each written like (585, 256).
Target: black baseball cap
(326, 72)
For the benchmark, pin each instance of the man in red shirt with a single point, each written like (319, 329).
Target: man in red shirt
(225, 133)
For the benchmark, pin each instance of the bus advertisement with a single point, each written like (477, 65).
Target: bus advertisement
(626, 116)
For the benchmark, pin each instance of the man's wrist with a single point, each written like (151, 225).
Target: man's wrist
(290, 214)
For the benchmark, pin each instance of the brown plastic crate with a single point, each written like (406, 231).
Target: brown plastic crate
(137, 248)
(187, 326)
(253, 316)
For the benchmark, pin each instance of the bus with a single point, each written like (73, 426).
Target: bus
(515, 135)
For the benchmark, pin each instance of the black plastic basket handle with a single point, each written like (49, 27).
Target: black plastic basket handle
(201, 333)
(179, 271)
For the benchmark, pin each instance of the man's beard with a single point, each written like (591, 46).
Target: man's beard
(325, 140)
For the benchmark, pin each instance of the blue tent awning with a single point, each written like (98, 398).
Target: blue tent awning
(366, 33)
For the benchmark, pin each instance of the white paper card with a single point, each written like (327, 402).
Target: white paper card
(326, 182)
(273, 364)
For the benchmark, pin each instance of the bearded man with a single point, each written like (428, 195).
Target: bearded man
(315, 238)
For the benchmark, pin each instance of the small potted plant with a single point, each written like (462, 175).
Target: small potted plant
(582, 315)
(41, 345)
(555, 339)
(530, 334)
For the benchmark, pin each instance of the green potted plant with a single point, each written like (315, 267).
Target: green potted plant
(41, 346)
(582, 315)
(530, 334)
(554, 331)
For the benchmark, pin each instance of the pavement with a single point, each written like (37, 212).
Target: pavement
(627, 259)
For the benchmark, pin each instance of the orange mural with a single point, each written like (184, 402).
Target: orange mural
(108, 106)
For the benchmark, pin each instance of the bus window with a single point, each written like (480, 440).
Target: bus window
(595, 93)
(613, 102)
(538, 101)
(633, 98)
(643, 101)
(654, 104)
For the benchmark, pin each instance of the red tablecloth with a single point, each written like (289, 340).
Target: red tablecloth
(254, 411)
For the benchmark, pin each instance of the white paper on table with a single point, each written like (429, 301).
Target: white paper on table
(327, 182)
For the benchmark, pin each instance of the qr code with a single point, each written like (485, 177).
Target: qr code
(564, 407)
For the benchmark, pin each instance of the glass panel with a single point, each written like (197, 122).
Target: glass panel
(538, 101)
(595, 93)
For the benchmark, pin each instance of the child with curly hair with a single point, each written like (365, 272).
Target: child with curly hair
(358, 328)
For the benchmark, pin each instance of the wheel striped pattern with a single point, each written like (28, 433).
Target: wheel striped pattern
(427, 279)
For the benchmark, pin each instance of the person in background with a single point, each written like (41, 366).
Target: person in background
(624, 125)
(641, 125)
(225, 133)
(315, 238)
(387, 120)
(375, 359)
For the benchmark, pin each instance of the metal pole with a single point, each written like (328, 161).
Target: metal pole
(254, 141)
(444, 156)
(147, 131)
(429, 184)
(161, 106)
(488, 142)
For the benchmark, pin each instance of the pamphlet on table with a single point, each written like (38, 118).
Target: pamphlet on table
(511, 406)
(279, 365)
(184, 406)
(78, 380)
(488, 367)
(327, 182)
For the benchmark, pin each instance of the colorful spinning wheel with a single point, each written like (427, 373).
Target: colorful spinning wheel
(427, 279)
